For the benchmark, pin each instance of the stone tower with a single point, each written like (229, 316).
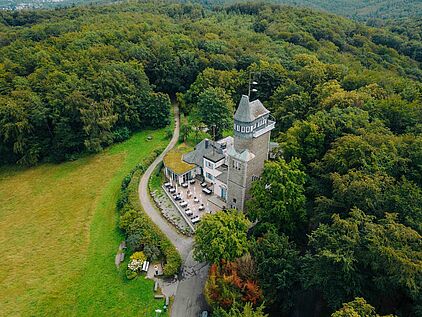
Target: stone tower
(252, 130)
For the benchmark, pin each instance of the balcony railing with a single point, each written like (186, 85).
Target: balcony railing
(269, 127)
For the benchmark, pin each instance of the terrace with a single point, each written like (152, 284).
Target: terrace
(193, 199)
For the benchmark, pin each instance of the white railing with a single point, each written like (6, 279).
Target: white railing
(269, 127)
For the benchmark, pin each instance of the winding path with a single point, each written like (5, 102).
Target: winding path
(189, 299)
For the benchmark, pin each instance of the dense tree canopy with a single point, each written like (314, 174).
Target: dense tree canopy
(338, 216)
(221, 236)
(62, 70)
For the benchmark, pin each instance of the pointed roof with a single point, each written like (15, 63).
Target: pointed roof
(249, 111)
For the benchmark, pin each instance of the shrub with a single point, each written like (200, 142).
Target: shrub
(130, 275)
(141, 232)
(140, 256)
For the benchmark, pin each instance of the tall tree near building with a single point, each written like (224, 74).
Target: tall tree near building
(215, 107)
(221, 236)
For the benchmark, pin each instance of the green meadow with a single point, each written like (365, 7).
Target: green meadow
(59, 236)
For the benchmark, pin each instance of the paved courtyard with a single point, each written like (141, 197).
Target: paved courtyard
(193, 199)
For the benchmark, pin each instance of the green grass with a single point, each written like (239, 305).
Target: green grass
(59, 236)
(157, 178)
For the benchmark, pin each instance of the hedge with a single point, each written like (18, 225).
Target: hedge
(129, 205)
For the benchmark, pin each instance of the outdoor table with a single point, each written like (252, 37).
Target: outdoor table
(206, 191)
(196, 200)
(202, 207)
(195, 219)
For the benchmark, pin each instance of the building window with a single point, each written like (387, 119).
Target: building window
(234, 200)
(247, 129)
(238, 127)
(243, 129)
(209, 176)
(209, 164)
(236, 165)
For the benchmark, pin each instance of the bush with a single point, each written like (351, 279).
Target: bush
(140, 256)
(121, 134)
(130, 275)
(141, 232)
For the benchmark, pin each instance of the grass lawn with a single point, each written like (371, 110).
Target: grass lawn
(58, 237)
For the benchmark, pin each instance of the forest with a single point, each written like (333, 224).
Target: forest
(356, 9)
(339, 231)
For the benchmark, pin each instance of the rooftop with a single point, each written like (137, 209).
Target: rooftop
(249, 111)
(173, 160)
(245, 156)
(207, 148)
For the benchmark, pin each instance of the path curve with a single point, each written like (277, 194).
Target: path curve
(189, 299)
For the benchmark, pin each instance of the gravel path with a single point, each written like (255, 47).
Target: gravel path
(189, 299)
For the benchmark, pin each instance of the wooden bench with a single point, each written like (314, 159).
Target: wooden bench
(155, 286)
(158, 296)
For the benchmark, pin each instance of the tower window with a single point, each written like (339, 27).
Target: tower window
(236, 165)
(238, 127)
(243, 129)
(247, 129)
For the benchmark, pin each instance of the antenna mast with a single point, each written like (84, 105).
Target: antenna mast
(251, 83)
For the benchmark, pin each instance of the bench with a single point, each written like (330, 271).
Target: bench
(155, 286)
(145, 266)
(167, 301)
(158, 296)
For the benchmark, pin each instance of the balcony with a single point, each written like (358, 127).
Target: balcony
(267, 128)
